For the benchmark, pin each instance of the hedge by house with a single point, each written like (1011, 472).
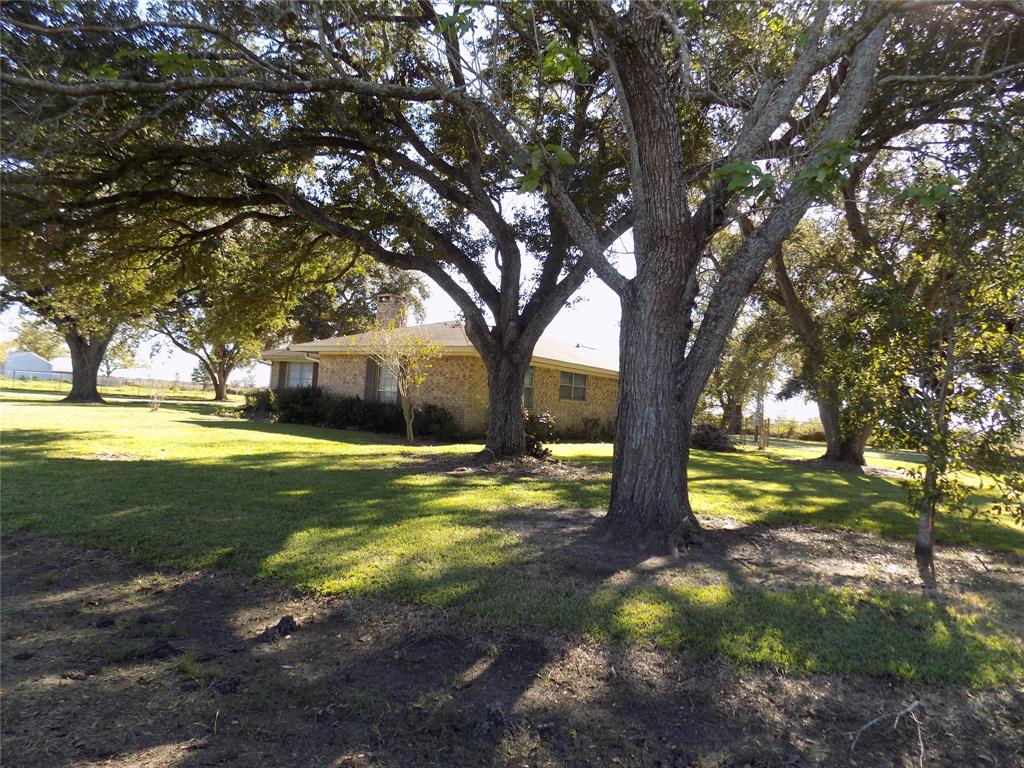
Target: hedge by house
(313, 406)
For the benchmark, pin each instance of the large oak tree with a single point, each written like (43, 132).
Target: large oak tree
(407, 131)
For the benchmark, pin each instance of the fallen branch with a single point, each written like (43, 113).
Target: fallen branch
(909, 711)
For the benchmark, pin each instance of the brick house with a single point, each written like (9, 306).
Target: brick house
(570, 382)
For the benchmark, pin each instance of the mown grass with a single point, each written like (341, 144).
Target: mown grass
(756, 487)
(130, 391)
(350, 513)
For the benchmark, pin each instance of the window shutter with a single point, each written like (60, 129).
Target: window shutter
(316, 374)
(282, 376)
(370, 390)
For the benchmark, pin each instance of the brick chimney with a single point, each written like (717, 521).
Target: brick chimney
(390, 311)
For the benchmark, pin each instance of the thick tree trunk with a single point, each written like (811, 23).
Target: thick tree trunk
(87, 352)
(219, 379)
(506, 434)
(842, 445)
(659, 383)
(220, 389)
(649, 505)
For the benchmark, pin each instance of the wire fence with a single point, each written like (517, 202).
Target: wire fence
(759, 433)
(61, 380)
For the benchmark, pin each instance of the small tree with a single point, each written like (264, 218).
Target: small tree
(952, 373)
(121, 350)
(6, 347)
(200, 376)
(36, 334)
(408, 357)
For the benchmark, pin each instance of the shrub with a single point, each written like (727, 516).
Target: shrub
(540, 429)
(540, 424)
(814, 435)
(311, 405)
(380, 417)
(301, 405)
(260, 404)
(710, 437)
(436, 422)
(342, 412)
(594, 430)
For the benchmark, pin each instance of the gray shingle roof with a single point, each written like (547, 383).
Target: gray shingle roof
(452, 336)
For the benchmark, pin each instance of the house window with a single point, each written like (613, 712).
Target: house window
(387, 386)
(298, 375)
(528, 389)
(572, 386)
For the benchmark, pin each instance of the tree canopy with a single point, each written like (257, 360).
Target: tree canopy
(500, 148)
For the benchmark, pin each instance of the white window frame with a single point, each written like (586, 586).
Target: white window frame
(528, 389)
(572, 386)
(387, 386)
(298, 375)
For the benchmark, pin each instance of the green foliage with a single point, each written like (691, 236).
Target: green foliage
(928, 195)
(754, 356)
(559, 59)
(831, 175)
(239, 303)
(437, 423)
(460, 22)
(200, 375)
(167, 63)
(37, 335)
(539, 430)
(313, 406)
(538, 160)
(348, 304)
(122, 349)
(540, 424)
(260, 404)
(744, 176)
(301, 405)
(951, 377)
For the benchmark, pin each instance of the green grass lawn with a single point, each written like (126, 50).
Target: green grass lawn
(132, 391)
(753, 486)
(349, 513)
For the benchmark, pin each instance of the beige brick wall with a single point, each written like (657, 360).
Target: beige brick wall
(459, 383)
(343, 375)
(601, 402)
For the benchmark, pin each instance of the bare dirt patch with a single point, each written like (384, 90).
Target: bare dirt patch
(106, 663)
(780, 557)
(107, 456)
(766, 554)
(529, 466)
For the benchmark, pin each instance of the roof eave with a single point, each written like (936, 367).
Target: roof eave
(284, 355)
(568, 365)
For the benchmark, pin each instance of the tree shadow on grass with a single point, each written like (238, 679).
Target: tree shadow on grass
(368, 683)
(321, 433)
(354, 528)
